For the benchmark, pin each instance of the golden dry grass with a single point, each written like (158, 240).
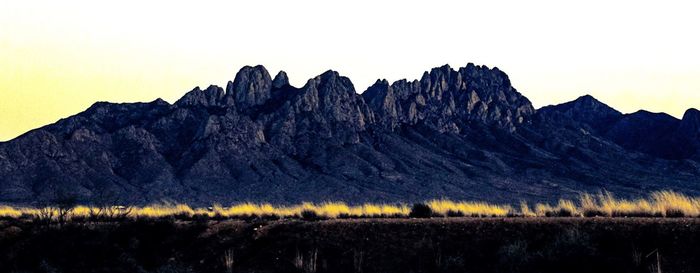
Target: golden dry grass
(7, 211)
(658, 204)
(325, 210)
(478, 209)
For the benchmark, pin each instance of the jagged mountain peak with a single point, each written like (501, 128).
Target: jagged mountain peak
(211, 96)
(333, 77)
(448, 99)
(378, 88)
(251, 87)
(280, 80)
(382, 82)
(160, 101)
(444, 98)
(444, 70)
(332, 83)
(587, 100)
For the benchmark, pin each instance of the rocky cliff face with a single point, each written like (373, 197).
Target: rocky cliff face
(689, 127)
(462, 134)
(445, 100)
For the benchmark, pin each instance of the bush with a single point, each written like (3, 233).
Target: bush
(454, 213)
(674, 213)
(200, 217)
(559, 212)
(309, 215)
(420, 210)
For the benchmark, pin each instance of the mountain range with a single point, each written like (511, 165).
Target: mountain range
(464, 134)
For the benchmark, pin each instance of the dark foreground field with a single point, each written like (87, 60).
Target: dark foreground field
(365, 245)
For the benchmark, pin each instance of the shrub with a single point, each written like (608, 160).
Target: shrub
(593, 213)
(674, 213)
(454, 213)
(559, 212)
(420, 210)
(309, 215)
(200, 217)
(472, 209)
(344, 216)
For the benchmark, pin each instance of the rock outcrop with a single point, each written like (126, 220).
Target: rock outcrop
(251, 87)
(445, 99)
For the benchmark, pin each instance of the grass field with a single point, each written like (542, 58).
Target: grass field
(594, 233)
(657, 204)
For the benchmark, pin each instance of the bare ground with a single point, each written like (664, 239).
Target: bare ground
(356, 245)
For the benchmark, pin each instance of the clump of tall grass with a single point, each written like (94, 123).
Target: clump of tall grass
(671, 204)
(525, 210)
(565, 208)
(608, 205)
(473, 209)
(659, 204)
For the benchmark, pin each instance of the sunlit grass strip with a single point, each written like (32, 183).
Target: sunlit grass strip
(7, 211)
(662, 203)
(658, 204)
(327, 210)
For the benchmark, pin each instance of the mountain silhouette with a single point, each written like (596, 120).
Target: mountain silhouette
(459, 134)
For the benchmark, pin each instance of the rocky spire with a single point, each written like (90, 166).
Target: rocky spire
(690, 124)
(380, 97)
(281, 80)
(326, 106)
(251, 87)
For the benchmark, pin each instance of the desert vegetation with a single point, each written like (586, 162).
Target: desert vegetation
(593, 233)
(438, 244)
(604, 204)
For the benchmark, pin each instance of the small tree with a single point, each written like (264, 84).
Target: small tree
(65, 203)
(45, 215)
(105, 208)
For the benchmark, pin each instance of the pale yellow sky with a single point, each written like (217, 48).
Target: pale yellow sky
(59, 57)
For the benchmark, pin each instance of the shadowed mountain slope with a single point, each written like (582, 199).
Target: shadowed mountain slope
(460, 134)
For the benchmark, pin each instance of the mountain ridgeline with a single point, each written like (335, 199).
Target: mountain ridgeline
(459, 134)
